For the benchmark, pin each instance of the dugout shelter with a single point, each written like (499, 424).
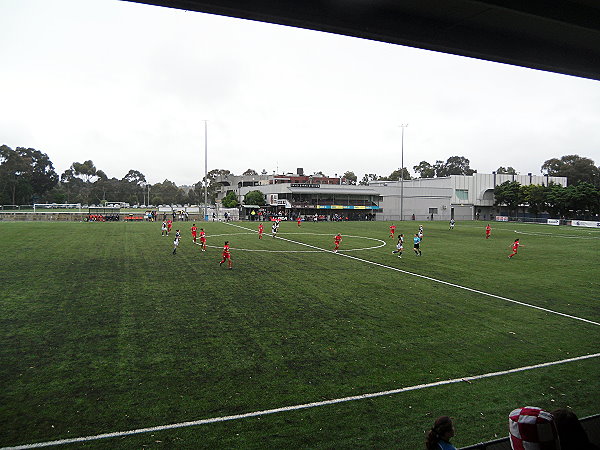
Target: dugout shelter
(103, 214)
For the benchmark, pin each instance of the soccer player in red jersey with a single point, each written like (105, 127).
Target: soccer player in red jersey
(226, 256)
(515, 248)
(169, 226)
(488, 231)
(337, 239)
(194, 232)
(392, 230)
(260, 230)
(202, 239)
(299, 219)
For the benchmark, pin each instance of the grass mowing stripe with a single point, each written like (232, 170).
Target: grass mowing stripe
(437, 280)
(296, 407)
(284, 330)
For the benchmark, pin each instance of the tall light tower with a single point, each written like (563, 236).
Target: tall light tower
(205, 170)
(403, 126)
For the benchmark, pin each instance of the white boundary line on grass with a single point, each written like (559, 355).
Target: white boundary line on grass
(295, 407)
(563, 236)
(542, 234)
(333, 401)
(437, 281)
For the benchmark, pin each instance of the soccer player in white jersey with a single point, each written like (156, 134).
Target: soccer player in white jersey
(400, 246)
(176, 241)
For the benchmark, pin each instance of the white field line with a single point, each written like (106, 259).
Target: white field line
(542, 234)
(296, 407)
(438, 281)
(289, 251)
(325, 402)
(563, 236)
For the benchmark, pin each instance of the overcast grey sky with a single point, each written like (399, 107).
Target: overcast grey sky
(128, 86)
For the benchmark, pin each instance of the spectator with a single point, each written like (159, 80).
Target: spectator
(571, 433)
(439, 436)
(532, 428)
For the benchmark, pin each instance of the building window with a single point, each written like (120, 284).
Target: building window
(462, 194)
(433, 210)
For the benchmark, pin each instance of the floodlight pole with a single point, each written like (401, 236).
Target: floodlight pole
(403, 126)
(205, 171)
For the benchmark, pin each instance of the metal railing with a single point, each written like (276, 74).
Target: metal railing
(590, 424)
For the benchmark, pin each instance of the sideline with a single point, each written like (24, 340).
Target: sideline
(476, 291)
(563, 236)
(296, 407)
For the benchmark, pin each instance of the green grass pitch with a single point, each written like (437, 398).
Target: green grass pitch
(103, 330)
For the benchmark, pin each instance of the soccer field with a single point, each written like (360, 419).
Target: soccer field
(104, 330)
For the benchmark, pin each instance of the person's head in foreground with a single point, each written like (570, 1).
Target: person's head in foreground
(532, 428)
(439, 436)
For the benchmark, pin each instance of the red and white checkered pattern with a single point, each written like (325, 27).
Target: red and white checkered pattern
(532, 428)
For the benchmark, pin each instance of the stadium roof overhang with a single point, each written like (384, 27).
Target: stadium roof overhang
(560, 36)
(333, 191)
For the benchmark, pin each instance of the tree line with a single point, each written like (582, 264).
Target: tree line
(576, 168)
(455, 165)
(28, 176)
(580, 200)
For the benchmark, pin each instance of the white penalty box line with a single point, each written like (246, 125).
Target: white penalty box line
(458, 286)
(295, 407)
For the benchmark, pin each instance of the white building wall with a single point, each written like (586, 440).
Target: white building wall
(265, 189)
(419, 196)
(424, 193)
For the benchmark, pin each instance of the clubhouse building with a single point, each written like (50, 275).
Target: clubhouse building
(459, 197)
